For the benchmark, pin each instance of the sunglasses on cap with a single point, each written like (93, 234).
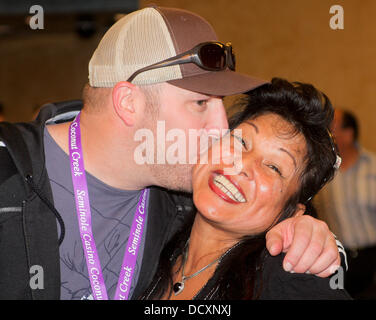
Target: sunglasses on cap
(211, 56)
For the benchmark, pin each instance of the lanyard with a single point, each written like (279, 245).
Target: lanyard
(83, 211)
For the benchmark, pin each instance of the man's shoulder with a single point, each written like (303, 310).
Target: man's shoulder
(368, 155)
(23, 141)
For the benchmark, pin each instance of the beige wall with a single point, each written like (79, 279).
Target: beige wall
(287, 38)
(42, 68)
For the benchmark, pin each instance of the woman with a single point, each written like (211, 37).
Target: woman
(287, 156)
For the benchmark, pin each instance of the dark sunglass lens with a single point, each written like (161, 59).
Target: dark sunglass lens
(213, 56)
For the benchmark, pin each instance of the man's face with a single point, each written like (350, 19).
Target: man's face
(343, 136)
(182, 116)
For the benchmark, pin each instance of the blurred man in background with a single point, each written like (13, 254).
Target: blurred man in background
(348, 205)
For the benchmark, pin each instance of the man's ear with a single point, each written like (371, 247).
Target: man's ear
(123, 99)
(300, 209)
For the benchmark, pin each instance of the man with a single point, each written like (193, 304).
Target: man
(126, 93)
(348, 204)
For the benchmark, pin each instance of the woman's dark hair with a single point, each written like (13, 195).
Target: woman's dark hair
(238, 275)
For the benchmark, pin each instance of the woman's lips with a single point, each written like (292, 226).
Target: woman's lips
(230, 191)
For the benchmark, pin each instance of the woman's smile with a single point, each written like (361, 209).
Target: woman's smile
(226, 188)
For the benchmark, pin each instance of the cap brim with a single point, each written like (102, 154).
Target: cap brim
(221, 83)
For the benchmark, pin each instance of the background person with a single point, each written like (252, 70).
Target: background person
(348, 204)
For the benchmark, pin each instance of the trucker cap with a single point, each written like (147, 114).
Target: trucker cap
(153, 34)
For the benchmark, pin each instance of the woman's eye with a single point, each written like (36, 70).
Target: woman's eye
(275, 169)
(241, 140)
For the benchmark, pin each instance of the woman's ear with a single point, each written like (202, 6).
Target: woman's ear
(300, 209)
(123, 99)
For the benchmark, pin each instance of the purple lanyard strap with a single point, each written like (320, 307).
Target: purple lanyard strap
(81, 195)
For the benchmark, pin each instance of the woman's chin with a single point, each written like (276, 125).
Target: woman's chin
(210, 206)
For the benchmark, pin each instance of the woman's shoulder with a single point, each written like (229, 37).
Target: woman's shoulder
(282, 285)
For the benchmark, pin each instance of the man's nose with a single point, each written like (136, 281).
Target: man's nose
(216, 123)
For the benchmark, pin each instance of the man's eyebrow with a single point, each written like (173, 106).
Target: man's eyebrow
(253, 125)
(291, 156)
(202, 96)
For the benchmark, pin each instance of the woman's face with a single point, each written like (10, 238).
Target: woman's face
(249, 201)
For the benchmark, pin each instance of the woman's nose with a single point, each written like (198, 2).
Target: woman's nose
(239, 162)
(249, 165)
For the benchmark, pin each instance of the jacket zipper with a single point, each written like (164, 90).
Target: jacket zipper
(26, 244)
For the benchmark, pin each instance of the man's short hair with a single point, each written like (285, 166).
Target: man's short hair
(349, 121)
(94, 98)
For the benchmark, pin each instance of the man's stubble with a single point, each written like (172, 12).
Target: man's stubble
(170, 176)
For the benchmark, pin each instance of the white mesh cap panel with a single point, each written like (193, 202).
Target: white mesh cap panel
(137, 40)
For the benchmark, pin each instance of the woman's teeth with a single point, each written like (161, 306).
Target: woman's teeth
(228, 188)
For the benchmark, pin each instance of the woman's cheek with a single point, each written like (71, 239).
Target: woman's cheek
(270, 190)
(206, 204)
(264, 189)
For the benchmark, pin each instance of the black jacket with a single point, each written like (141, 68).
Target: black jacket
(28, 220)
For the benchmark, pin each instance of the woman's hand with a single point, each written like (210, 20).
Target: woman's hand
(310, 246)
